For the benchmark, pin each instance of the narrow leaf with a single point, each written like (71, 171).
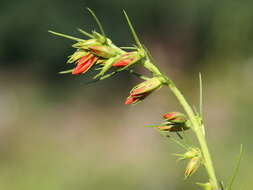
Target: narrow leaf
(108, 75)
(66, 36)
(153, 125)
(132, 48)
(222, 185)
(97, 21)
(236, 169)
(200, 96)
(85, 33)
(139, 75)
(132, 30)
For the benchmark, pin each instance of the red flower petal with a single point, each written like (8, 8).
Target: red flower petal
(83, 66)
(123, 63)
(130, 100)
(169, 115)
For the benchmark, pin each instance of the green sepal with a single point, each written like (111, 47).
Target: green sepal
(76, 55)
(149, 85)
(106, 67)
(154, 126)
(67, 71)
(108, 75)
(86, 44)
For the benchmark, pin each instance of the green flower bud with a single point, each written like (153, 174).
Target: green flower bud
(76, 56)
(191, 153)
(86, 44)
(173, 127)
(142, 90)
(192, 166)
(175, 117)
(102, 51)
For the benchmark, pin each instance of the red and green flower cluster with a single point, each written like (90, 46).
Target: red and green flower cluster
(100, 52)
(174, 122)
(92, 52)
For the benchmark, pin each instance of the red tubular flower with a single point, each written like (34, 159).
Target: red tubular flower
(175, 122)
(123, 63)
(102, 51)
(126, 59)
(84, 64)
(173, 127)
(142, 90)
(134, 99)
(175, 117)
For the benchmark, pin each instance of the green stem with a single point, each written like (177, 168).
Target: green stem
(200, 136)
(196, 125)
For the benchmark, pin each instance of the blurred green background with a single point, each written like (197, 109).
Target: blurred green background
(59, 134)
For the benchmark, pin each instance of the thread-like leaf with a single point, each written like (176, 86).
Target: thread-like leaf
(108, 75)
(132, 30)
(65, 36)
(85, 33)
(138, 75)
(236, 169)
(222, 185)
(200, 96)
(97, 21)
(131, 48)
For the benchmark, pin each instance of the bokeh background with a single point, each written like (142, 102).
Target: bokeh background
(57, 133)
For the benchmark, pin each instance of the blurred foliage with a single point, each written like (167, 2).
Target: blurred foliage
(57, 133)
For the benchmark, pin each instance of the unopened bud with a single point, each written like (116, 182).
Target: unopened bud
(75, 56)
(192, 166)
(127, 59)
(84, 64)
(193, 152)
(175, 117)
(86, 44)
(176, 127)
(102, 51)
(143, 89)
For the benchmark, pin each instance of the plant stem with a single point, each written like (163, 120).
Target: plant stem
(197, 128)
(196, 124)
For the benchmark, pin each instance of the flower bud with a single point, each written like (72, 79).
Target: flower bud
(175, 117)
(177, 127)
(142, 90)
(192, 166)
(86, 44)
(102, 51)
(127, 59)
(193, 152)
(84, 64)
(77, 55)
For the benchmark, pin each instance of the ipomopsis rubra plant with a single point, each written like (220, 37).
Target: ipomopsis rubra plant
(98, 53)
